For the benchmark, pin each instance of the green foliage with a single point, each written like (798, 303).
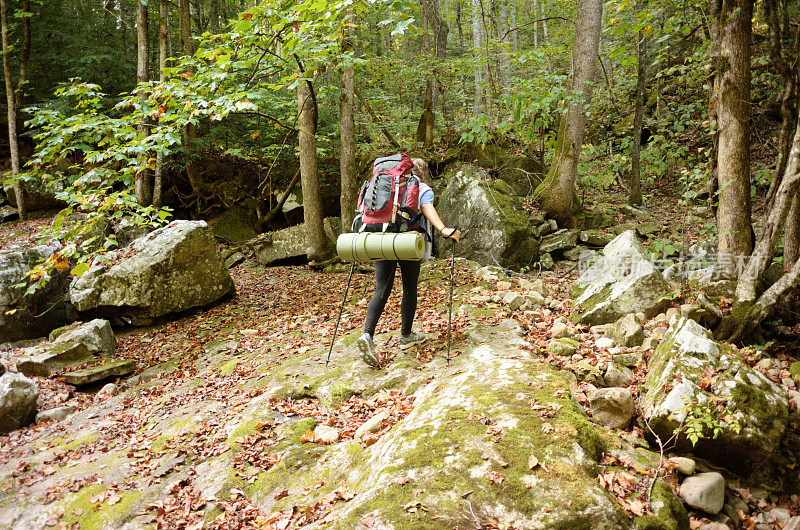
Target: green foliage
(705, 420)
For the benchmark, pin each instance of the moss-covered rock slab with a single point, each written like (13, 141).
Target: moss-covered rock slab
(620, 282)
(689, 368)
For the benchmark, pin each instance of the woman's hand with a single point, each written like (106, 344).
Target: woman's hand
(451, 233)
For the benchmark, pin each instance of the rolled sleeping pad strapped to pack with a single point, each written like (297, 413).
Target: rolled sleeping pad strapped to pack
(374, 246)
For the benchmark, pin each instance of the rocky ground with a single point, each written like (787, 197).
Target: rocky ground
(234, 420)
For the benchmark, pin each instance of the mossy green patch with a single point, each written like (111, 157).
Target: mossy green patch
(99, 514)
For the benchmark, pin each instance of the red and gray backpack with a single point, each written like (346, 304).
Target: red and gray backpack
(389, 202)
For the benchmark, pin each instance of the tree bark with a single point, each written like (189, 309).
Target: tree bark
(557, 192)
(24, 54)
(791, 236)
(635, 196)
(143, 187)
(190, 131)
(733, 215)
(714, 7)
(19, 189)
(347, 133)
(318, 248)
(478, 44)
(163, 35)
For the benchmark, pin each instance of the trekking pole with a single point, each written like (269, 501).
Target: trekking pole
(344, 299)
(450, 307)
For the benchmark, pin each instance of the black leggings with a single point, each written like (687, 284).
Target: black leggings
(384, 281)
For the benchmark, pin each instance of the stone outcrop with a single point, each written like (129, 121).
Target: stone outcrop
(172, 269)
(96, 335)
(497, 230)
(18, 396)
(30, 315)
(621, 281)
(288, 243)
(688, 368)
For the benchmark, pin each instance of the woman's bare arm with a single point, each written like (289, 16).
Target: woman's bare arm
(433, 216)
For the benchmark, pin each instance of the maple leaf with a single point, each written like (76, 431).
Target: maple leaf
(532, 462)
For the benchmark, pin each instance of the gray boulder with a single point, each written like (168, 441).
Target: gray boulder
(172, 269)
(689, 367)
(621, 281)
(47, 359)
(612, 407)
(617, 375)
(18, 396)
(27, 316)
(704, 491)
(235, 225)
(627, 331)
(8, 213)
(96, 335)
(56, 414)
(560, 240)
(37, 197)
(496, 228)
(288, 243)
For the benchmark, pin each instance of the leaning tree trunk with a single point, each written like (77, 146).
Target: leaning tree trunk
(143, 188)
(318, 246)
(163, 34)
(635, 196)
(733, 215)
(13, 144)
(347, 131)
(556, 193)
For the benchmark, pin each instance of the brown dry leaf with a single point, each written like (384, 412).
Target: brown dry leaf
(114, 498)
(403, 481)
(502, 463)
(281, 494)
(51, 521)
(496, 477)
(532, 462)
(368, 521)
(308, 436)
(547, 428)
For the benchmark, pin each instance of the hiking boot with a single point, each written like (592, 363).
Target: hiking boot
(367, 347)
(412, 339)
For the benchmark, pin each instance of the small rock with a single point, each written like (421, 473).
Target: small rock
(627, 331)
(55, 414)
(765, 364)
(513, 300)
(599, 329)
(559, 330)
(671, 312)
(793, 524)
(628, 359)
(613, 407)
(604, 343)
(96, 335)
(714, 526)
(617, 375)
(18, 397)
(504, 285)
(779, 515)
(535, 298)
(683, 465)
(325, 434)
(704, 491)
(577, 357)
(650, 343)
(371, 425)
(640, 316)
(562, 347)
(546, 261)
(657, 333)
(106, 392)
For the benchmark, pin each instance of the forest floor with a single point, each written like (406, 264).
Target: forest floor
(195, 412)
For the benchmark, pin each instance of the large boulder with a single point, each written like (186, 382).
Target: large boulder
(496, 228)
(18, 396)
(621, 281)
(288, 243)
(172, 269)
(689, 368)
(37, 197)
(235, 225)
(30, 315)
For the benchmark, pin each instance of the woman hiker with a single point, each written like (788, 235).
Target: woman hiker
(409, 270)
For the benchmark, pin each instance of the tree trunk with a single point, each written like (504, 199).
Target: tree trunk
(143, 188)
(190, 131)
(477, 44)
(733, 215)
(714, 7)
(347, 131)
(19, 189)
(163, 34)
(635, 197)
(557, 192)
(24, 54)
(318, 247)
(535, 23)
(791, 236)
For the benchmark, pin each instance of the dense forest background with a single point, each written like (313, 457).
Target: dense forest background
(147, 109)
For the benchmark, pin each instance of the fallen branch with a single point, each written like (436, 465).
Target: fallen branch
(272, 213)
